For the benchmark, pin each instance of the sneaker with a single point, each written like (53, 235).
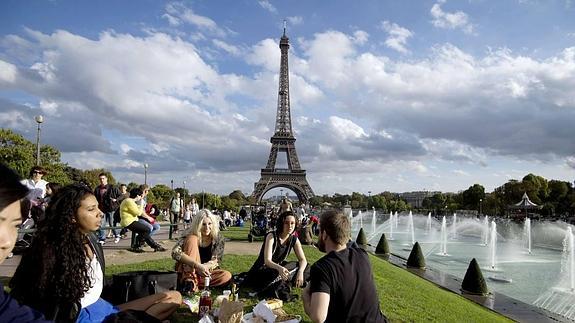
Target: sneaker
(101, 242)
(117, 239)
(136, 250)
(160, 248)
(10, 255)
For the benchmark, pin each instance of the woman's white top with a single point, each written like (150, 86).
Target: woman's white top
(96, 282)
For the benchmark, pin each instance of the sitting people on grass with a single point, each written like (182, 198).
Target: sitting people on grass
(12, 192)
(271, 271)
(200, 253)
(129, 214)
(62, 275)
(341, 287)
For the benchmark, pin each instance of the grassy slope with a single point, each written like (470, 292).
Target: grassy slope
(403, 296)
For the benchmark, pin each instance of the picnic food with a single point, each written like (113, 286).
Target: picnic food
(274, 303)
(231, 312)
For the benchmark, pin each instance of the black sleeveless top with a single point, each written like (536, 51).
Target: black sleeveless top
(280, 251)
(205, 253)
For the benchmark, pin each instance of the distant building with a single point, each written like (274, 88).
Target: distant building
(415, 199)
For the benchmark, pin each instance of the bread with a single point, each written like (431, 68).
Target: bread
(274, 303)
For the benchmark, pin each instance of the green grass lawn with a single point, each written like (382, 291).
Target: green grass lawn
(403, 296)
(239, 233)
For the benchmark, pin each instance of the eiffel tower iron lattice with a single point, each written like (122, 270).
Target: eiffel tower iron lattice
(283, 140)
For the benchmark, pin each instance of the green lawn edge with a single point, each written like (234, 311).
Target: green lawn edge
(403, 296)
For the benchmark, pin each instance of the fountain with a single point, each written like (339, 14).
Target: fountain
(395, 219)
(493, 245)
(391, 225)
(454, 227)
(428, 226)
(568, 263)
(532, 274)
(373, 219)
(443, 237)
(485, 233)
(527, 234)
(411, 228)
(360, 216)
(561, 298)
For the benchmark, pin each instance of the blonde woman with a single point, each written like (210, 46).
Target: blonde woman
(200, 253)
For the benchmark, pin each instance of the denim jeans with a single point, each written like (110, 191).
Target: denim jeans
(107, 220)
(153, 227)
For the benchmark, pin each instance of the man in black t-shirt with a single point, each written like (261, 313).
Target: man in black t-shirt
(341, 285)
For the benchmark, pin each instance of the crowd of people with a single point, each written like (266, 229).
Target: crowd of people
(61, 277)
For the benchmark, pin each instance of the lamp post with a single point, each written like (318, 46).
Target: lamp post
(480, 206)
(368, 197)
(146, 173)
(172, 182)
(184, 196)
(281, 194)
(39, 119)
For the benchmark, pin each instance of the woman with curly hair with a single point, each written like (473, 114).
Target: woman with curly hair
(62, 275)
(200, 253)
(12, 192)
(271, 266)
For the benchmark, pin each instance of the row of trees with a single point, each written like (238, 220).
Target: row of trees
(555, 197)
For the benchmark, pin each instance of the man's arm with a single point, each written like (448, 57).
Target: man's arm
(315, 304)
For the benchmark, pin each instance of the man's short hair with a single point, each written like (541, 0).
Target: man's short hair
(103, 174)
(336, 225)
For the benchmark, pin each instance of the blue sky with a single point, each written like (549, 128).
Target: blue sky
(385, 95)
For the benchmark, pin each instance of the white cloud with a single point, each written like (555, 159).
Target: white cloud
(295, 20)
(178, 13)
(570, 161)
(398, 36)
(231, 49)
(360, 37)
(346, 129)
(460, 172)
(7, 72)
(447, 20)
(267, 5)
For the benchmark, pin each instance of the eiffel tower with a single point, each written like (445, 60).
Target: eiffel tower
(283, 140)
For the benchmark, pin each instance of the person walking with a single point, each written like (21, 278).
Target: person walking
(108, 198)
(175, 210)
(341, 285)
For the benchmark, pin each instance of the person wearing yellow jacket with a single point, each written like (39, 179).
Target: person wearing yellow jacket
(129, 215)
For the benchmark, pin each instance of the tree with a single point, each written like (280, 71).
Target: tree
(237, 195)
(536, 187)
(163, 194)
(19, 154)
(472, 196)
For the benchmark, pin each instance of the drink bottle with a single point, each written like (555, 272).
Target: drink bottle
(205, 299)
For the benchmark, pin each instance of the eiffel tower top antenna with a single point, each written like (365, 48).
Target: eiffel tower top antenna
(285, 26)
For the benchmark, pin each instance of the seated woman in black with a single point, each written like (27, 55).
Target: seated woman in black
(271, 262)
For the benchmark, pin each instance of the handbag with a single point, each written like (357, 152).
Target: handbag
(132, 285)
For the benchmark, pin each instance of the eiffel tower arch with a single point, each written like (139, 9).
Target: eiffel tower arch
(283, 141)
